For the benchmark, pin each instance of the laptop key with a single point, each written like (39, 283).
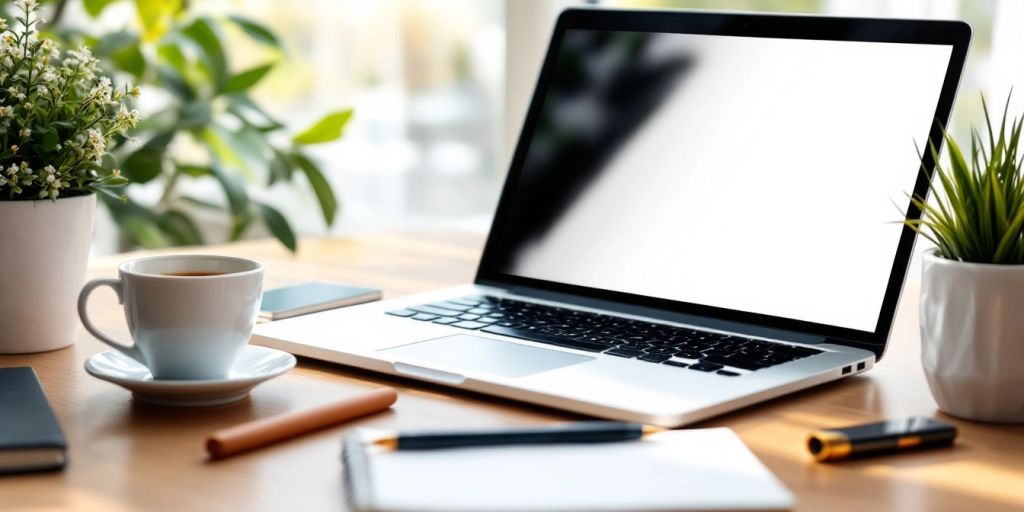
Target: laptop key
(673, 362)
(450, 305)
(544, 338)
(727, 373)
(434, 310)
(735, 362)
(655, 358)
(468, 316)
(402, 312)
(689, 354)
(661, 350)
(466, 324)
(624, 352)
(445, 320)
(705, 366)
(424, 316)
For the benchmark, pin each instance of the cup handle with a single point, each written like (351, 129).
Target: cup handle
(83, 298)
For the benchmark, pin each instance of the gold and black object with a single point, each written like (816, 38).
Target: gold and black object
(878, 438)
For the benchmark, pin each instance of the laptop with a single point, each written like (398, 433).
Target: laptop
(702, 213)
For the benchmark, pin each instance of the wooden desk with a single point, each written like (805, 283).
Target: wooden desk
(127, 456)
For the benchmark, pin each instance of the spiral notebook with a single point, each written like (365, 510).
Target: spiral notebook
(700, 469)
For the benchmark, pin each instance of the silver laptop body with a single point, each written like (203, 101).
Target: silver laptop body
(698, 217)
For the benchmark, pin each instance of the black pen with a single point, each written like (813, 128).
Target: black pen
(579, 432)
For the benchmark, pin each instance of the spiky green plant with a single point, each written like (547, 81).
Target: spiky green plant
(979, 215)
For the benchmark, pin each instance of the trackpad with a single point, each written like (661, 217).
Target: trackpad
(466, 353)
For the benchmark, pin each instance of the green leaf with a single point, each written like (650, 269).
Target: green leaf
(50, 139)
(146, 163)
(247, 78)
(195, 171)
(278, 226)
(321, 187)
(239, 225)
(221, 150)
(195, 201)
(174, 82)
(114, 41)
(256, 30)
(104, 192)
(250, 113)
(203, 32)
(180, 227)
(238, 199)
(143, 231)
(195, 114)
(131, 60)
(325, 130)
(95, 7)
(155, 16)
(279, 169)
(115, 181)
(170, 52)
(245, 146)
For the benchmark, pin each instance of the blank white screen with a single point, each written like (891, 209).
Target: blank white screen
(763, 181)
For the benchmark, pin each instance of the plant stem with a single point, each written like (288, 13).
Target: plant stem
(58, 13)
(169, 188)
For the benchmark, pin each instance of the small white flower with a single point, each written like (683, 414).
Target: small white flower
(6, 111)
(50, 178)
(26, 5)
(25, 132)
(58, 147)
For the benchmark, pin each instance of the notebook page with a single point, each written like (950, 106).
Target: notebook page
(701, 469)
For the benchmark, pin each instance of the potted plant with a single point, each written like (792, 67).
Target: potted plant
(59, 117)
(211, 157)
(972, 291)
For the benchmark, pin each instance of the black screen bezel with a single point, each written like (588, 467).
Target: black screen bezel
(952, 33)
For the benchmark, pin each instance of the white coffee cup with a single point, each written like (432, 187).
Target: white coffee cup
(190, 316)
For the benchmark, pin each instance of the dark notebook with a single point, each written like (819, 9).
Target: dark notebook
(30, 438)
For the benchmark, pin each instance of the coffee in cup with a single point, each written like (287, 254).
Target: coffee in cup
(190, 316)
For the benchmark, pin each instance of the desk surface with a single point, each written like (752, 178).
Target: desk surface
(128, 456)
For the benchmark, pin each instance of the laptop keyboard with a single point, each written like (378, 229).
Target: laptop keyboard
(670, 345)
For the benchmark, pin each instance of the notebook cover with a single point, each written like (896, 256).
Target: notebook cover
(696, 469)
(26, 420)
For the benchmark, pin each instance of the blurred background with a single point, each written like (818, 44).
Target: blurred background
(439, 89)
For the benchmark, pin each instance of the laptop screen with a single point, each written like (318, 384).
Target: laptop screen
(753, 174)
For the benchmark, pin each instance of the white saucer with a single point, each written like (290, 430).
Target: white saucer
(254, 365)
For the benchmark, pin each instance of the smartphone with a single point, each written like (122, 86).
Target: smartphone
(306, 298)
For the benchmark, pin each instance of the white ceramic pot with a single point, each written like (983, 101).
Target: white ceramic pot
(972, 335)
(44, 250)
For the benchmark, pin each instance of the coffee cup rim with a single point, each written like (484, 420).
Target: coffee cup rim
(126, 268)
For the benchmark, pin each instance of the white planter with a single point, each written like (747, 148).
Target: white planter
(44, 250)
(972, 335)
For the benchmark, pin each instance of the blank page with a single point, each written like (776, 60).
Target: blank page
(701, 469)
